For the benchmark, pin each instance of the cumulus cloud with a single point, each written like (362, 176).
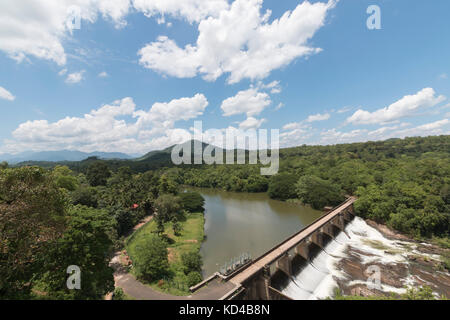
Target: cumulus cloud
(191, 10)
(318, 117)
(38, 27)
(103, 74)
(405, 107)
(5, 94)
(75, 77)
(251, 123)
(113, 127)
(402, 130)
(240, 41)
(250, 102)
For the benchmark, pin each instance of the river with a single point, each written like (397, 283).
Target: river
(236, 223)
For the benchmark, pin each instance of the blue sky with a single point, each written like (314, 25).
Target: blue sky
(137, 74)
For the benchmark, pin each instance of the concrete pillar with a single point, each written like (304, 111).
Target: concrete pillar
(338, 221)
(347, 215)
(303, 249)
(317, 239)
(328, 230)
(284, 264)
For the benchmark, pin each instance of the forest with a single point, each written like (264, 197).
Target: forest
(78, 213)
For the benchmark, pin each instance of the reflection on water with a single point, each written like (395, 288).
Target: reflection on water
(246, 222)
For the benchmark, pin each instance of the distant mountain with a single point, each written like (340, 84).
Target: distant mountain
(168, 151)
(63, 155)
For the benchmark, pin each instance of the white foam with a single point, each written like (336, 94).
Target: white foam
(317, 279)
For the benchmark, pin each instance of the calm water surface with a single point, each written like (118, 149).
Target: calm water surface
(246, 222)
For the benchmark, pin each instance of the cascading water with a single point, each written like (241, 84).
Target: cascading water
(317, 278)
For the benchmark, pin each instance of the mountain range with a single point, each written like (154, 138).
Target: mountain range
(62, 155)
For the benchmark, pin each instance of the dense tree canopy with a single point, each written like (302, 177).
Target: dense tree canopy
(98, 174)
(150, 258)
(281, 186)
(318, 192)
(192, 201)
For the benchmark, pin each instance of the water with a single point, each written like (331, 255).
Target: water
(317, 279)
(246, 222)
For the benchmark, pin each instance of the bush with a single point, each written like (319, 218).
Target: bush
(192, 201)
(281, 186)
(149, 257)
(194, 278)
(192, 261)
(118, 294)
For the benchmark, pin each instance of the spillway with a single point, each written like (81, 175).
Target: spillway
(317, 277)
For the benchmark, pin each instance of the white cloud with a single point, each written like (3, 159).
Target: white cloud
(103, 74)
(251, 123)
(344, 110)
(62, 72)
(178, 109)
(105, 129)
(38, 27)
(240, 41)
(318, 117)
(334, 136)
(5, 94)
(250, 102)
(405, 107)
(192, 10)
(279, 106)
(274, 87)
(75, 77)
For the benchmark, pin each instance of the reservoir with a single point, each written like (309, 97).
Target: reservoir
(237, 223)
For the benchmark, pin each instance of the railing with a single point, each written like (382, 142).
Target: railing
(297, 233)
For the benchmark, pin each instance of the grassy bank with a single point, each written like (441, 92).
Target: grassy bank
(189, 239)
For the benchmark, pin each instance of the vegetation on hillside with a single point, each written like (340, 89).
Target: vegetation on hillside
(78, 213)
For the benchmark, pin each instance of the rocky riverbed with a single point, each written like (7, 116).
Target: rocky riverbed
(398, 262)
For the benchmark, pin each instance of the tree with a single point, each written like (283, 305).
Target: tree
(4, 165)
(86, 196)
(281, 186)
(125, 221)
(86, 244)
(318, 192)
(192, 201)
(176, 226)
(192, 261)
(167, 185)
(150, 258)
(98, 174)
(159, 226)
(32, 216)
(167, 206)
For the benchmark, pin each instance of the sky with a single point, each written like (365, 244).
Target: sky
(133, 75)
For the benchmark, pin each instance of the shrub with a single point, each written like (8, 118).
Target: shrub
(118, 294)
(192, 261)
(194, 278)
